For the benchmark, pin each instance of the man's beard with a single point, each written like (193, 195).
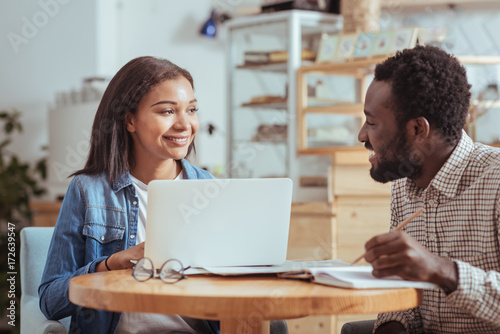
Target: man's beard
(396, 163)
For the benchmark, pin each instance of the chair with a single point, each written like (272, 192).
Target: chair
(279, 327)
(35, 243)
(358, 327)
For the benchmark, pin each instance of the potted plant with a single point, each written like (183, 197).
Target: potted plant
(19, 182)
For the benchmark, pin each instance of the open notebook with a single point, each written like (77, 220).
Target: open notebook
(360, 277)
(336, 273)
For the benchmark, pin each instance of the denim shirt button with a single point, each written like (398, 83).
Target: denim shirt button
(132, 236)
(134, 202)
(102, 238)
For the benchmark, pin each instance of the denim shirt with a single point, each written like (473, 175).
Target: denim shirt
(96, 219)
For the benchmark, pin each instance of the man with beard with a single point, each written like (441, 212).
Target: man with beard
(416, 108)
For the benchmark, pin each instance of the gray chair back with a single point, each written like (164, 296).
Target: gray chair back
(35, 242)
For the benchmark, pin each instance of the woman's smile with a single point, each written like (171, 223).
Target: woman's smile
(180, 141)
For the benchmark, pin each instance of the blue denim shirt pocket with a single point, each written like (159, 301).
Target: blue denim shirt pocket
(104, 229)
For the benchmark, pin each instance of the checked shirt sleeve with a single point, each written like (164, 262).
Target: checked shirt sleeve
(478, 290)
(478, 293)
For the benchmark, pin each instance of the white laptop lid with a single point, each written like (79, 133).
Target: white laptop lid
(218, 222)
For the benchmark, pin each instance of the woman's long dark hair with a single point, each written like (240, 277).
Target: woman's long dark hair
(110, 143)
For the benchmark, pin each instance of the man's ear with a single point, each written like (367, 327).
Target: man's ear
(130, 122)
(419, 129)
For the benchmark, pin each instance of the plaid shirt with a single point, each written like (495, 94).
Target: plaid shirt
(461, 222)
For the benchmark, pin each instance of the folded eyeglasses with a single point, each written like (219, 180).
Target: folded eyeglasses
(172, 271)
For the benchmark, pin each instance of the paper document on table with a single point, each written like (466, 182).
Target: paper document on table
(360, 277)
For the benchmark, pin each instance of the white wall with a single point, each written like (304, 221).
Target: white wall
(49, 46)
(45, 46)
(77, 39)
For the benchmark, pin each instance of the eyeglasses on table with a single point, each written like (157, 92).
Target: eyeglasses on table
(172, 271)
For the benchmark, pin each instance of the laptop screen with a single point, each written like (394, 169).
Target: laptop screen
(218, 222)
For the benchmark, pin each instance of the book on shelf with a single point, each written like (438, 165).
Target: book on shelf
(268, 57)
(335, 273)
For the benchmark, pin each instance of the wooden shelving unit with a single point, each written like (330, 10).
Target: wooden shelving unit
(288, 33)
(358, 69)
(422, 4)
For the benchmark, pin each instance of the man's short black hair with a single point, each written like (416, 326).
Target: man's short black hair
(428, 82)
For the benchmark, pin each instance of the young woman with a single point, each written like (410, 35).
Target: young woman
(143, 130)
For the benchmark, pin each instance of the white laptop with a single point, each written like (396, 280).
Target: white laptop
(218, 222)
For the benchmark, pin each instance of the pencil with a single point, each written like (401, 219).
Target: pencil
(399, 227)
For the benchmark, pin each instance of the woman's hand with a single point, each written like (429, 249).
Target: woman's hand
(121, 260)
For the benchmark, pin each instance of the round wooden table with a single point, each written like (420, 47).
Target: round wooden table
(243, 304)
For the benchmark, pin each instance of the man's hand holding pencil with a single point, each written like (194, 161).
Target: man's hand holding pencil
(397, 253)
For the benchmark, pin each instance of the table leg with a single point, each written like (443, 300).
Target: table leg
(244, 326)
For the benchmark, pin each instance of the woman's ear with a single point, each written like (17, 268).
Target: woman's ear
(419, 129)
(130, 122)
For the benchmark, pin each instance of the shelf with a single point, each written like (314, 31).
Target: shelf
(269, 142)
(270, 67)
(276, 105)
(329, 150)
(479, 60)
(353, 67)
(365, 66)
(422, 4)
(489, 104)
(346, 109)
(325, 102)
(280, 67)
(312, 22)
(266, 142)
(321, 143)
